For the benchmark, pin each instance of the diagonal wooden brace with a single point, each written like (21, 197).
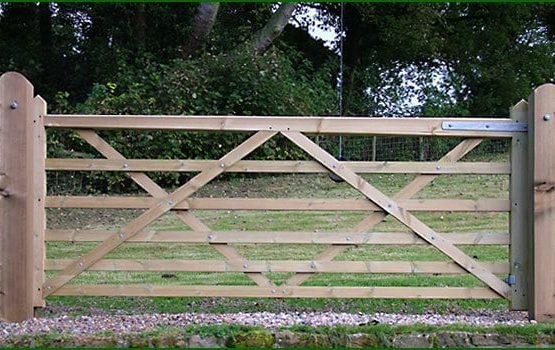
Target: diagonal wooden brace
(392, 208)
(156, 191)
(164, 205)
(375, 218)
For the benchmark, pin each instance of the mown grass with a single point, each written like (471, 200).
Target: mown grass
(299, 186)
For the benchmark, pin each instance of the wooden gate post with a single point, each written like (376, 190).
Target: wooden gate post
(541, 120)
(22, 186)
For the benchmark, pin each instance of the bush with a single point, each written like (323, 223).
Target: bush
(238, 83)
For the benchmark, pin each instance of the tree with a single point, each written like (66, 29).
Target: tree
(201, 28)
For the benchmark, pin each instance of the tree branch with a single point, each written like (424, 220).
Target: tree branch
(265, 36)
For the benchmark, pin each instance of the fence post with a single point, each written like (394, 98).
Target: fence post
(19, 124)
(541, 104)
(519, 223)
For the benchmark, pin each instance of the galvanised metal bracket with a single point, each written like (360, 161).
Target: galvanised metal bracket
(510, 280)
(484, 126)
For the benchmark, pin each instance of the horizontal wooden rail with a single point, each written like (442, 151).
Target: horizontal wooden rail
(283, 292)
(281, 204)
(292, 237)
(284, 166)
(316, 125)
(418, 267)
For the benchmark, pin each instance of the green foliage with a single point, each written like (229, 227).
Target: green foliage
(227, 84)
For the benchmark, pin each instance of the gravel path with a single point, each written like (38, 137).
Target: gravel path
(137, 323)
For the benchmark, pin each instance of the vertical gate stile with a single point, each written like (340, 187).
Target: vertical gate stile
(39, 198)
(519, 233)
(17, 210)
(542, 198)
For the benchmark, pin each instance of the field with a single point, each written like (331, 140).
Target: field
(294, 186)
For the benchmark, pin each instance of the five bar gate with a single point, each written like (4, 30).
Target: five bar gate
(23, 163)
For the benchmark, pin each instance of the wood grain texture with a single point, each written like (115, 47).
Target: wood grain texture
(319, 125)
(281, 204)
(279, 237)
(241, 265)
(519, 216)
(541, 105)
(17, 209)
(39, 199)
(275, 166)
(286, 292)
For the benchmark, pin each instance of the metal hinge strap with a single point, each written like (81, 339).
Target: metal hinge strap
(484, 126)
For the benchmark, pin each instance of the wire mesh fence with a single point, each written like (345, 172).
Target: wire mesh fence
(390, 148)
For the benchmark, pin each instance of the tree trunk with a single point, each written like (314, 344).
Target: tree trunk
(140, 26)
(202, 26)
(263, 38)
(45, 42)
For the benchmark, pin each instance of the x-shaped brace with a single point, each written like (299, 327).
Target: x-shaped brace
(166, 203)
(391, 207)
(375, 218)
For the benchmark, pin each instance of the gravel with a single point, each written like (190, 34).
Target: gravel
(86, 325)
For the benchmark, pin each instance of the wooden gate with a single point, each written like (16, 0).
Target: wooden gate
(23, 233)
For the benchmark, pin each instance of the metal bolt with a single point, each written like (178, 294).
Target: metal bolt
(348, 238)
(121, 235)
(273, 291)
(210, 237)
(284, 291)
(81, 263)
(125, 166)
(449, 125)
(487, 126)
(49, 287)
(547, 117)
(14, 104)
(222, 165)
(170, 203)
(245, 266)
(438, 167)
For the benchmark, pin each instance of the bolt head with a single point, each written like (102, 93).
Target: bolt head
(14, 104)
(547, 117)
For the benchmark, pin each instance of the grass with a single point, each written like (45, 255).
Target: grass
(299, 186)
